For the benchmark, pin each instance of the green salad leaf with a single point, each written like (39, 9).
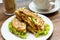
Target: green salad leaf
(23, 35)
(18, 33)
(43, 32)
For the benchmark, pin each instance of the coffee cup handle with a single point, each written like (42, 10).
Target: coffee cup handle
(52, 0)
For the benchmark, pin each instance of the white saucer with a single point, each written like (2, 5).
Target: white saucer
(33, 8)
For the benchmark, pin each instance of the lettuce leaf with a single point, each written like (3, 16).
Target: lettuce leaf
(18, 33)
(43, 32)
(23, 35)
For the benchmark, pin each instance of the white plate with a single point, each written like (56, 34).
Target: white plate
(9, 36)
(54, 9)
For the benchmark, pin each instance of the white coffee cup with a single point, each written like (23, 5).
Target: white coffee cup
(42, 4)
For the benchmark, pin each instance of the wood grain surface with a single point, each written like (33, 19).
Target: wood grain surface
(55, 18)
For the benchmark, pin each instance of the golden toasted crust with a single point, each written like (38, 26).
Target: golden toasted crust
(31, 30)
(25, 11)
(18, 25)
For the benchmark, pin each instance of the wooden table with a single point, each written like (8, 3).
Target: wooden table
(55, 18)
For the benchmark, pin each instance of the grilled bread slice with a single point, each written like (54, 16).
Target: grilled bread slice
(18, 25)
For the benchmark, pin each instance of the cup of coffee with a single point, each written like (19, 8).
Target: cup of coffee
(42, 4)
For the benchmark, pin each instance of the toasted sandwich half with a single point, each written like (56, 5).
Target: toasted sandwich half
(34, 21)
(17, 27)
